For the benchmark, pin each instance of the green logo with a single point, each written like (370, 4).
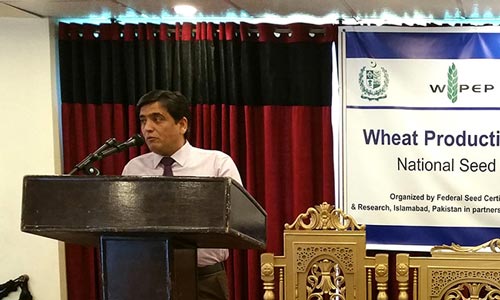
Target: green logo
(453, 83)
(453, 88)
(373, 82)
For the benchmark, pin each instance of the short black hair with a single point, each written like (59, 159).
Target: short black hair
(174, 102)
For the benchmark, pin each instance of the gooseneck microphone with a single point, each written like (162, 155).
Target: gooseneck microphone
(135, 140)
(111, 146)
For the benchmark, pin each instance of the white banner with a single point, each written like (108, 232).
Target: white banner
(421, 135)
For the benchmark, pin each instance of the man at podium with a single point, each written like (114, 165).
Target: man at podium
(165, 120)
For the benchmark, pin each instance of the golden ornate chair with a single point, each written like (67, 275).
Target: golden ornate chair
(451, 273)
(324, 258)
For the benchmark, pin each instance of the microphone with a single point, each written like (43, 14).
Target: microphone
(111, 146)
(135, 140)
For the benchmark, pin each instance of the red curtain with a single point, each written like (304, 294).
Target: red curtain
(261, 93)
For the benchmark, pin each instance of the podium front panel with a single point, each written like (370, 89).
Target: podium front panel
(202, 211)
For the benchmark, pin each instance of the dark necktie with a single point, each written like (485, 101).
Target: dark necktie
(167, 165)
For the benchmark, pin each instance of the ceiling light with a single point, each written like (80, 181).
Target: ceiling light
(185, 10)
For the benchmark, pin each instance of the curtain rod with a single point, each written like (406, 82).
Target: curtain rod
(253, 30)
(276, 30)
(286, 30)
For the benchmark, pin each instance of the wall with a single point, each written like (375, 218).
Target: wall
(29, 145)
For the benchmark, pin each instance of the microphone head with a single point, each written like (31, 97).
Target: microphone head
(136, 140)
(111, 142)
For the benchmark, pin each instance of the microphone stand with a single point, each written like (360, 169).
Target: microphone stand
(85, 164)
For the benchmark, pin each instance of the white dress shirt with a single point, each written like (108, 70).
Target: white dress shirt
(190, 161)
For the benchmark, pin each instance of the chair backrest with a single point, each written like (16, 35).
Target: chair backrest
(324, 258)
(452, 272)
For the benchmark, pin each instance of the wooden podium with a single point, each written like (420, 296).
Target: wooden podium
(147, 228)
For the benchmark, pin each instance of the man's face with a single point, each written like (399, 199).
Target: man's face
(162, 135)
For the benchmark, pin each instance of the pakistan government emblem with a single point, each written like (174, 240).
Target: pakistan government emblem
(373, 81)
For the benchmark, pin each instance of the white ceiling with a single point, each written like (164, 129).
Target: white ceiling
(351, 11)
